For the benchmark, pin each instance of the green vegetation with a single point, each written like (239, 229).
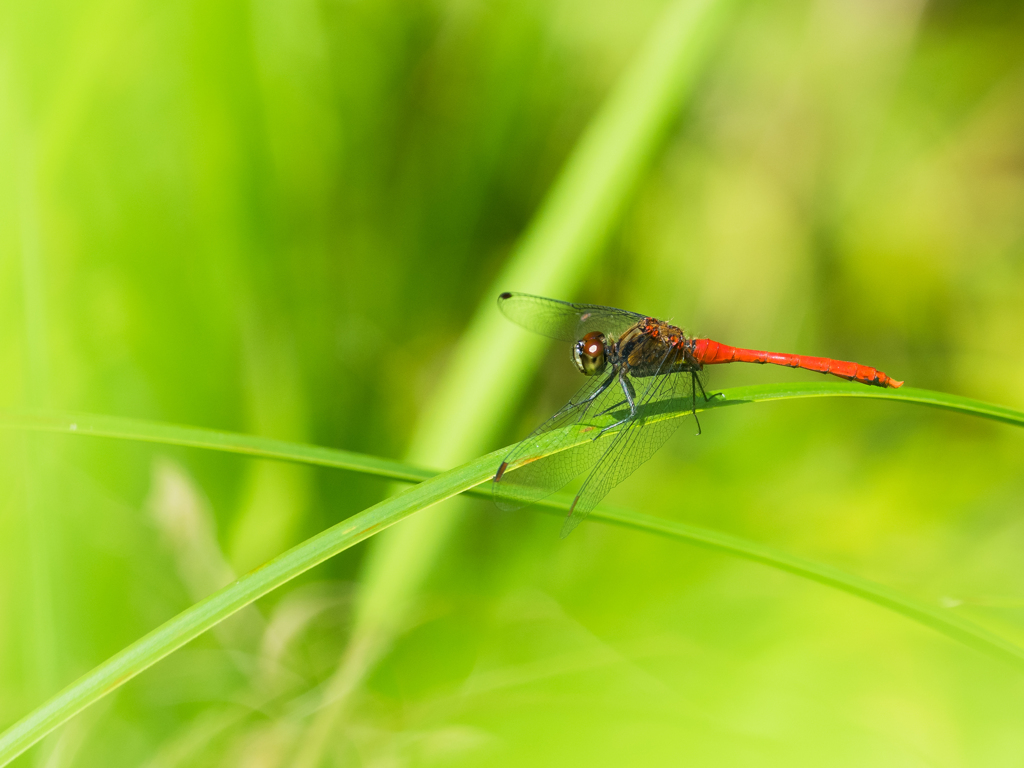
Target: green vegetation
(431, 490)
(286, 224)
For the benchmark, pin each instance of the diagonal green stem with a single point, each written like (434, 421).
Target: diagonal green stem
(197, 619)
(940, 619)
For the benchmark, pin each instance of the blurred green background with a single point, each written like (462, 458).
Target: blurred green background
(278, 217)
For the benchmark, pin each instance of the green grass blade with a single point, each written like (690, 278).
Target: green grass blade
(196, 437)
(956, 403)
(85, 424)
(940, 619)
(192, 622)
(205, 614)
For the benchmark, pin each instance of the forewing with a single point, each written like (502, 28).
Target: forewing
(562, 320)
(541, 464)
(635, 444)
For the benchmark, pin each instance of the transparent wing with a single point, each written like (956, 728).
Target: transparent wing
(540, 464)
(634, 444)
(562, 320)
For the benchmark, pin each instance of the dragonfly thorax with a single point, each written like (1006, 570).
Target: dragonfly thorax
(651, 347)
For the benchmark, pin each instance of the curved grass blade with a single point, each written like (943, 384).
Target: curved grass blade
(956, 403)
(95, 425)
(200, 617)
(940, 619)
(207, 613)
(267, 448)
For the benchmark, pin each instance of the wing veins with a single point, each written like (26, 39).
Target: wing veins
(597, 486)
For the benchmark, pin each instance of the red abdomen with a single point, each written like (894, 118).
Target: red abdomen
(708, 352)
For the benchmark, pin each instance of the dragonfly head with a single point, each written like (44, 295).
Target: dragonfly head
(588, 354)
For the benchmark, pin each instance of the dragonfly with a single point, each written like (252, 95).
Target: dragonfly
(638, 371)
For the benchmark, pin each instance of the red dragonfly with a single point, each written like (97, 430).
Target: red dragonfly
(633, 365)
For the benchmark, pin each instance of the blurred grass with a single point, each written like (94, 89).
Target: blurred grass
(473, 400)
(234, 208)
(432, 489)
(220, 605)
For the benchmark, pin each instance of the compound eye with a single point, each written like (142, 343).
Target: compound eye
(588, 354)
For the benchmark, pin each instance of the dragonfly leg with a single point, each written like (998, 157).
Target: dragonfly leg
(610, 408)
(696, 378)
(693, 398)
(597, 392)
(627, 389)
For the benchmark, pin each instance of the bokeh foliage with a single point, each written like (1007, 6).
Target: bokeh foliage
(278, 217)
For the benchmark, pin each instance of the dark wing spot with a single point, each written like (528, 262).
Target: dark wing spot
(505, 295)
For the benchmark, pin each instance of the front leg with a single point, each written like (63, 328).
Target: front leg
(597, 392)
(627, 389)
